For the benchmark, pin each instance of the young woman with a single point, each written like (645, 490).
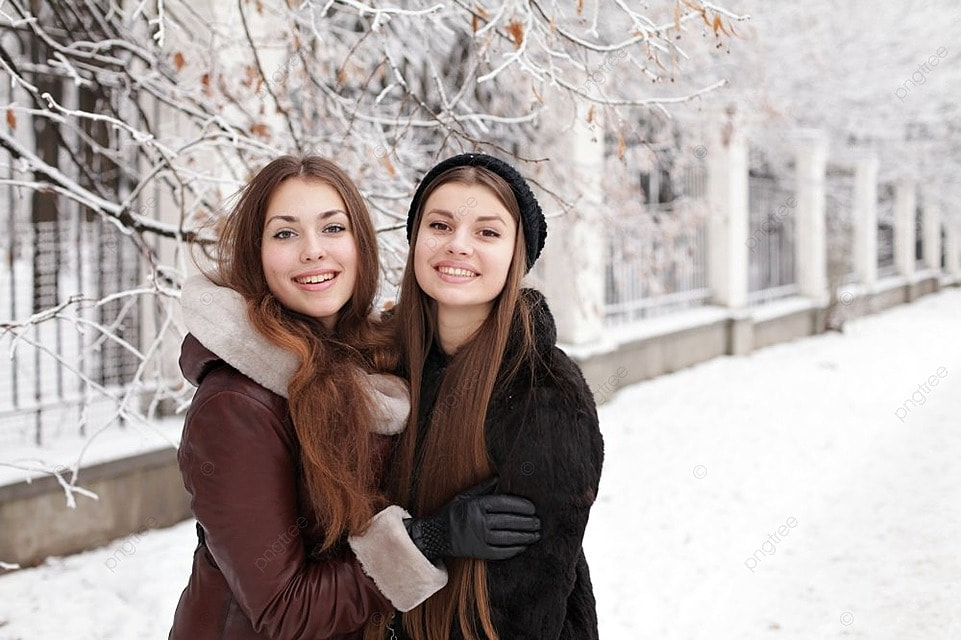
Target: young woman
(492, 394)
(283, 444)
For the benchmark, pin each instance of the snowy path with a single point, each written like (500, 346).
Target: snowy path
(702, 467)
(705, 464)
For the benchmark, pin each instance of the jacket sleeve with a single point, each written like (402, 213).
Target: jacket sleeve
(240, 470)
(556, 463)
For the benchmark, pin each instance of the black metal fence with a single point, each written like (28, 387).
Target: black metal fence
(840, 227)
(56, 371)
(887, 266)
(64, 361)
(656, 257)
(772, 209)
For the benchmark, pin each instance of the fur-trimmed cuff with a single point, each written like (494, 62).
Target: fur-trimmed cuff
(398, 568)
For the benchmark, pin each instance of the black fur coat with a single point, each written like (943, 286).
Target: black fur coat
(544, 440)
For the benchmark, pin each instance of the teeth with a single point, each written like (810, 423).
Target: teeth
(316, 279)
(451, 271)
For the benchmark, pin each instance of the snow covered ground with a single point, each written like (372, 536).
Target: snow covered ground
(106, 441)
(779, 495)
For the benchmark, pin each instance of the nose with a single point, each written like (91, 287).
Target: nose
(312, 249)
(459, 243)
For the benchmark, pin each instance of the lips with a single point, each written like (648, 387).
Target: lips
(457, 272)
(317, 278)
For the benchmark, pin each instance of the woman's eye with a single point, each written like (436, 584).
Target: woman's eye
(490, 233)
(334, 228)
(284, 234)
(440, 226)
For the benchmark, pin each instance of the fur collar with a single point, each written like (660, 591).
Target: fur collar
(217, 317)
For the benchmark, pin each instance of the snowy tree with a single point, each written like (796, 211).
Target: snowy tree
(877, 78)
(880, 78)
(143, 117)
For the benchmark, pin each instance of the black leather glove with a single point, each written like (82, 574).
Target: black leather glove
(476, 524)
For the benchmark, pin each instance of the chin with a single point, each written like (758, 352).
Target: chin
(463, 300)
(323, 310)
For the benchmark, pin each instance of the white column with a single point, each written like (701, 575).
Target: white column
(866, 220)
(728, 231)
(811, 158)
(952, 251)
(904, 240)
(574, 254)
(931, 225)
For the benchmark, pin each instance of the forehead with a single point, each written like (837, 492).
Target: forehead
(301, 196)
(466, 200)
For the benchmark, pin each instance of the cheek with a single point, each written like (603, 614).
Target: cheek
(268, 260)
(502, 260)
(422, 253)
(421, 274)
(350, 257)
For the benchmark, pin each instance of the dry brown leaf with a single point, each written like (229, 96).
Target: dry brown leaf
(677, 15)
(11, 118)
(717, 26)
(205, 81)
(474, 23)
(260, 129)
(590, 114)
(621, 146)
(179, 61)
(580, 7)
(391, 171)
(516, 30)
(480, 10)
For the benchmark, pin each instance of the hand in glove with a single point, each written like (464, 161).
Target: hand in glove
(477, 524)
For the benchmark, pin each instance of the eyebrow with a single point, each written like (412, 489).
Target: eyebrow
(447, 214)
(323, 216)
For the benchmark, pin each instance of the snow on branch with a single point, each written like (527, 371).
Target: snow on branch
(127, 127)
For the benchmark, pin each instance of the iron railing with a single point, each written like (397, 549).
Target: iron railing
(771, 260)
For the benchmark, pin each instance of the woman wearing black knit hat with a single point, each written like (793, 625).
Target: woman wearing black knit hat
(492, 395)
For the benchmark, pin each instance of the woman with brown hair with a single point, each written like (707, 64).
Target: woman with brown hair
(283, 444)
(492, 394)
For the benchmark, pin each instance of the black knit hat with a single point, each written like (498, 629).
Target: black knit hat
(532, 218)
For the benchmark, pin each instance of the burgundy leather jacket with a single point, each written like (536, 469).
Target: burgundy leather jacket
(254, 574)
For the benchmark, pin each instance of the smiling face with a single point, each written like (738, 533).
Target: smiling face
(465, 243)
(308, 249)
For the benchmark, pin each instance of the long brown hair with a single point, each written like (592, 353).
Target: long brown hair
(452, 455)
(328, 406)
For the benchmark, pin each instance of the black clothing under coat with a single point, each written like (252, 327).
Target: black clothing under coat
(545, 443)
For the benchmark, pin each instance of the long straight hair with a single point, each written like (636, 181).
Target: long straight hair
(328, 404)
(452, 455)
